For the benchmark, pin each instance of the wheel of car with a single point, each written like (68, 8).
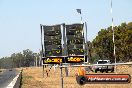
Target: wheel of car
(106, 71)
(112, 70)
(102, 71)
(96, 70)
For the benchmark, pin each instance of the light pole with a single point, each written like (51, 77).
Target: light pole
(113, 37)
(84, 34)
(79, 11)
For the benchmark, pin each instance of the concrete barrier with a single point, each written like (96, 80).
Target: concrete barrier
(16, 81)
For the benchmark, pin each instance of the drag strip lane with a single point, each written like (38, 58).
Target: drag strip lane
(6, 77)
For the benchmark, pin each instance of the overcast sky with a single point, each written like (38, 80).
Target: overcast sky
(20, 19)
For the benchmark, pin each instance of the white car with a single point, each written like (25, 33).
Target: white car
(103, 68)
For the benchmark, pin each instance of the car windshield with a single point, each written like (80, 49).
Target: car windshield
(102, 62)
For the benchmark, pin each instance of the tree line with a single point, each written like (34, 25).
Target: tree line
(100, 48)
(26, 58)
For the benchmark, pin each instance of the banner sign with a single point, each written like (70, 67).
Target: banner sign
(58, 60)
(75, 59)
(103, 78)
(53, 60)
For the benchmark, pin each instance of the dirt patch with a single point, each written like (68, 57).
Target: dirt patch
(33, 78)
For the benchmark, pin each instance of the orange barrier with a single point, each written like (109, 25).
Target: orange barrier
(81, 71)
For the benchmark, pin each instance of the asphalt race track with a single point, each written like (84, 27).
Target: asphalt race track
(6, 77)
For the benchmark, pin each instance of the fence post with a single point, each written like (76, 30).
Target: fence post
(61, 75)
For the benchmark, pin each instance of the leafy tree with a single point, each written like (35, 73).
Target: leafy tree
(103, 43)
(25, 59)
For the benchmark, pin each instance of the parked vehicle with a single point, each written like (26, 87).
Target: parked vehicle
(103, 68)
